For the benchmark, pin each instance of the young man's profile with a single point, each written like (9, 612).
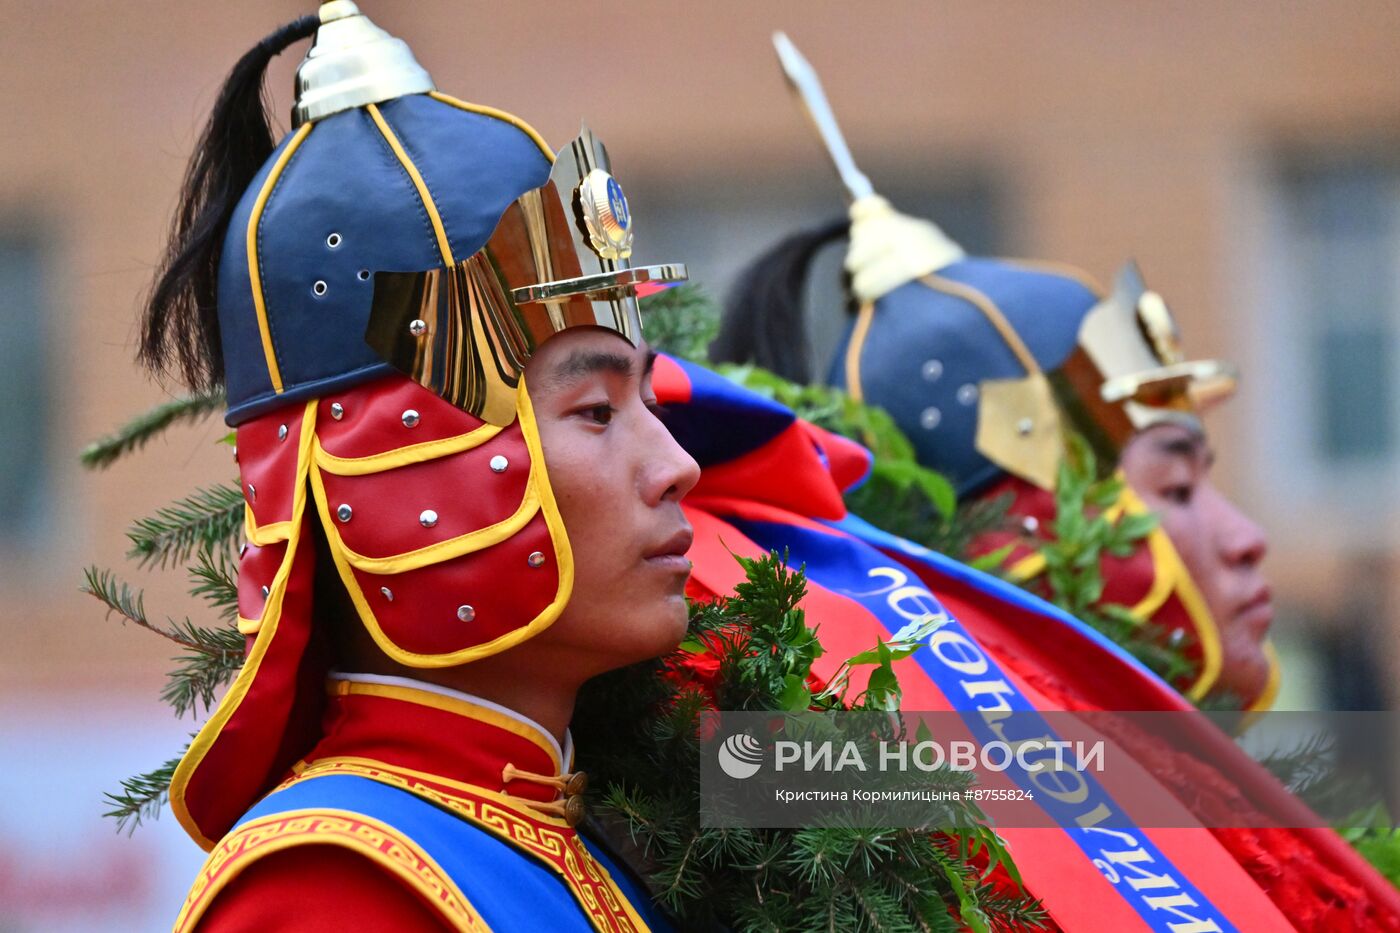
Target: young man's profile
(461, 504)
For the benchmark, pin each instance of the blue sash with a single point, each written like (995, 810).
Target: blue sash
(1161, 894)
(511, 890)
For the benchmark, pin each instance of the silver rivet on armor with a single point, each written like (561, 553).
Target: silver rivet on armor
(967, 393)
(427, 518)
(343, 512)
(417, 327)
(929, 418)
(252, 493)
(388, 593)
(333, 240)
(931, 370)
(364, 275)
(536, 559)
(1030, 524)
(337, 410)
(1178, 635)
(319, 288)
(1024, 427)
(499, 464)
(410, 418)
(466, 613)
(265, 591)
(281, 432)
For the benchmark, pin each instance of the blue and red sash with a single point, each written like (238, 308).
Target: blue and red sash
(1096, 871)
(475, 879)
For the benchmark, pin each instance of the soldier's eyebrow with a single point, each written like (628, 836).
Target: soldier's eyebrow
(1192, 447)
(586, 362)
(582, 363)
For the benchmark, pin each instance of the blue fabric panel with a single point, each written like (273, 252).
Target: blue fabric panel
(914, 325)
(346, 180)
(748, 419)
(474, 165)
(245, 369)
(511, 891)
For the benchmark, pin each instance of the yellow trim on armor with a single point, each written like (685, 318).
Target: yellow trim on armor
(267, 629)
(274, 371)
(510, 118)
(263, 535)
(864, 317)
(1059, 268)
(1161, 590)
(1207, 635)
(463, 544)
(539, 496)
(1265, 701)
(1169, 576)
(403, 456)
(991, 312)
(1027, 568)
(329, 826)
(424, 194)
(447, 704)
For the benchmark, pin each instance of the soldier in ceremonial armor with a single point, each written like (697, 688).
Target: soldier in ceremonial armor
(985, 363)
(460, 503)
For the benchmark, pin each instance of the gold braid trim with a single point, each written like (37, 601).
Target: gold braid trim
(557, 846)
(377, 841)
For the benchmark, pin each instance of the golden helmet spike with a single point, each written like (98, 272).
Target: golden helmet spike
(353, 63)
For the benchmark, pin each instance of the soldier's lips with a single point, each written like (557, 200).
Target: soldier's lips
(1257, 614)
(670, 554)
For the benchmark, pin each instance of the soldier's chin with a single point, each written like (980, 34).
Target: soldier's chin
(1244, 672)
(666, 627)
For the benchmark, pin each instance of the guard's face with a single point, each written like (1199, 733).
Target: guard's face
(1168, 466)
(618, 477)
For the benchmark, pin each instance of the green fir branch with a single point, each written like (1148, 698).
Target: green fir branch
(210, 657)
(844, 875)
(141, 797)
(141, 430)
(1081, 535)
(681, 321)
(208, 519)
(202, 672)
(214, 579)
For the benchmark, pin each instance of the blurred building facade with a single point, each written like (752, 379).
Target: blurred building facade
(1246, 154)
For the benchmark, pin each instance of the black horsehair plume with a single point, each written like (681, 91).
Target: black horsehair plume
(180, 327)
(764, 322)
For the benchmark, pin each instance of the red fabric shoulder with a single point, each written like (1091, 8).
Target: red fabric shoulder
(317, 888)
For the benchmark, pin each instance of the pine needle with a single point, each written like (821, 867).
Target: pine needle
(129, 604)
(214, 579)
(142, 796)
(138, 432)
(207, 519)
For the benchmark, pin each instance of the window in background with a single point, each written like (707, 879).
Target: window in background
(27, 386)
(1321, 344)
(1346, 220)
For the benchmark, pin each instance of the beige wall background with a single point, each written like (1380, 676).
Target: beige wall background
(1109, 129)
